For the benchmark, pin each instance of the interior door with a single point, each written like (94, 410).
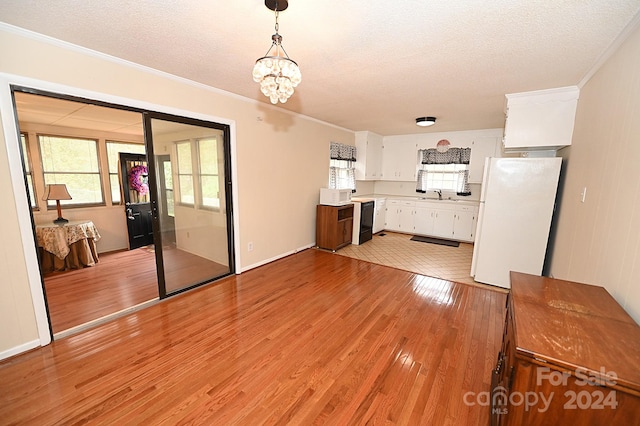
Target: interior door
(190, 200)
(135, 194)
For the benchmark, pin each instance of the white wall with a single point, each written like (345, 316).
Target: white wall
(598, 241)
(276, 178)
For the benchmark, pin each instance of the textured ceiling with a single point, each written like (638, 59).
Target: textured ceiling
(365, 65)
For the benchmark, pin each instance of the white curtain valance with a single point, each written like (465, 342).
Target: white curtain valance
(451, 156)
(340, 151)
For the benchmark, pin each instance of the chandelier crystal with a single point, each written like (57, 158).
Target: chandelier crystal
(277, 74)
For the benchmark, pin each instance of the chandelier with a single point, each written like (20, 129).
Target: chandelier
(277, 74)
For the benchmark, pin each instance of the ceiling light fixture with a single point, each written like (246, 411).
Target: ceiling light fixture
(425, 121)
(277, 74)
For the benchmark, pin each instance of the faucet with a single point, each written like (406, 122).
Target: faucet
(439, 191)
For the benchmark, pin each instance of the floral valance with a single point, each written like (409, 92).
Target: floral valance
(340, 151)
(451, 156)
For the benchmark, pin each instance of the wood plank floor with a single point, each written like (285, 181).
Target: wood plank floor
(120, 280)
(314, 338)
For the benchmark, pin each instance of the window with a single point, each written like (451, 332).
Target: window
(444, 177)
(168, 187)
(185, 173)
(26, 160)
(342, 174)
(444, 170)
(209, 183)
(113, 154)
(198, 164)
(341, 166)
(74, 162)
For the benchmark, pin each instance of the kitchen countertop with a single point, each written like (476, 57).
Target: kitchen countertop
(371, 197)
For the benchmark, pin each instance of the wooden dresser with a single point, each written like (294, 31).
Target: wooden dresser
(334, 226)
(570, 356)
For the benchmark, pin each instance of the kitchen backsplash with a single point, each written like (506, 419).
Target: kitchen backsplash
(405, 189)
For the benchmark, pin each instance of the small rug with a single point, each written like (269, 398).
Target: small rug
(435, 241)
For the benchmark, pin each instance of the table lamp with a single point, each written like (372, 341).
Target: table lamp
(57, 191)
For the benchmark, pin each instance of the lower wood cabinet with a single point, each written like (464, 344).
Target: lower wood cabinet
(334, 226)
(570, 356)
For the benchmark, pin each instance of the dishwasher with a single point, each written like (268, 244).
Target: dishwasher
(363, 212)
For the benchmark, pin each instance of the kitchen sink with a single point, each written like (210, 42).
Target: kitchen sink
(436, 199)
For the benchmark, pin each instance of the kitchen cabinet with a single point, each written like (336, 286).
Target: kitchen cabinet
(334, 226)
(540, 120)
(379, 215)
(445, 219)
(570, 351)
(481, 148)
(368, 165)
(464, 223)
(399, 216)
(423, 219)
(443, 223)
(399, 158)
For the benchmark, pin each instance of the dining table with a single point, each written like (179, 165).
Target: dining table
(67, 246)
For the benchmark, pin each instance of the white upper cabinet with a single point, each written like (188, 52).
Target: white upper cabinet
(481, 148)
(369, 156)
(399, 158)
(540, 120)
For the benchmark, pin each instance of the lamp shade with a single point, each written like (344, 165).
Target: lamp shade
(56, 191)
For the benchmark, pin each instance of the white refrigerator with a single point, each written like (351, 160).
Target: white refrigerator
(517, 201)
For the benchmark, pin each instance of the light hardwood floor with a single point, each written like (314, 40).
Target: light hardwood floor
(315, 338)
(119, 281)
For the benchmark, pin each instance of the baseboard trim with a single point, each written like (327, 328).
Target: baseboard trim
(104, 319)
(16, 350)
(274, 258)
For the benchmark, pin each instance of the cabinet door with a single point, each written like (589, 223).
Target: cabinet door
(464, 225)
(540, 119)
(406, 219)
(345, 231)
(423, 220)
(369, 163)
(482, 148)
(399, 159)
(392, 216)
(443, 223)
(373, 157)
(399, 216)
(390, 162)
(380, 215)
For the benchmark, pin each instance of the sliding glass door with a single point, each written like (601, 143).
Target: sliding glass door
(191, 205)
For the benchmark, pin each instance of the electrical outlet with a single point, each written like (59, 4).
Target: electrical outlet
(250, 246)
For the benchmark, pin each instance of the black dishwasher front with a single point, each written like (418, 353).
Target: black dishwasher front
(366, 221)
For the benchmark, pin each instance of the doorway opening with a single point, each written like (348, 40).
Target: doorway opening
(102, 154)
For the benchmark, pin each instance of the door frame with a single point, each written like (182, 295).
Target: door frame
(26, 226)
(147, 118)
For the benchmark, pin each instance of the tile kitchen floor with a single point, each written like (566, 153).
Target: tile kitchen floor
(434, 260)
